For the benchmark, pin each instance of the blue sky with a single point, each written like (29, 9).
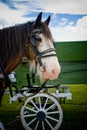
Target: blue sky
(68, 17)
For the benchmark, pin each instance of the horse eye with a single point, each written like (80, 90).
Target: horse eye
(38, 39)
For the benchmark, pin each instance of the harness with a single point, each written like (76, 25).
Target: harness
(33, 54)
(33, 49)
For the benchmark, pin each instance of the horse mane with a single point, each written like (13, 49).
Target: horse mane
(11, 37)
(12, 42)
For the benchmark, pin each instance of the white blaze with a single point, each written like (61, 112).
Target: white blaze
(52, 67)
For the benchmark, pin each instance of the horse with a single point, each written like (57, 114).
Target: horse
(32, 40)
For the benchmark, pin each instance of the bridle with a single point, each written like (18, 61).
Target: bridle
(36, 54)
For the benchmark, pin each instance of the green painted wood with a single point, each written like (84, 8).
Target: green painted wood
(73, 60)
(73, 73)
(72, 51)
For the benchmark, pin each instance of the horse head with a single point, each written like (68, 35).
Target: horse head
(41, 51)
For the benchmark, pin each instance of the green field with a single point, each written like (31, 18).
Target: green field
(74, 111)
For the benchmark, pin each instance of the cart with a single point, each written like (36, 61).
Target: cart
(40, 109)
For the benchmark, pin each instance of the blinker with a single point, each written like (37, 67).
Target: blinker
(33, 36)
(32, 40)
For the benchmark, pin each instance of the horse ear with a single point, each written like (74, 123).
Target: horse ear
(47, 21)
(38, 20)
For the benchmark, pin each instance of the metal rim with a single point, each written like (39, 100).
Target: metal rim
(41, 111)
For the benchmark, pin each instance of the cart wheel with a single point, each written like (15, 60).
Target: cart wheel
(41, 112)
(1, 126)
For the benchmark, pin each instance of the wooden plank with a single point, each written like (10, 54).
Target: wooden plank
(73, 72)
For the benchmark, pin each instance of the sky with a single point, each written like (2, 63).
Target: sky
(68, 17)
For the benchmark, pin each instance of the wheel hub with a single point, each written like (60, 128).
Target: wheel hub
(41, 116)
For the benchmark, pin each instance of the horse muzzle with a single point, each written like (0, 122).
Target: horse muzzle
(52, 74)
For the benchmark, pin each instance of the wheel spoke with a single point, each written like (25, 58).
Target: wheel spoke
(36, 125)
(50, 107)
(49, 124)
(30, 115)
(31, 121)
(39, 102)
(52, 118)
(43, 128)
(34, 104)
(31, 109)
(45, 103)
(54, 112)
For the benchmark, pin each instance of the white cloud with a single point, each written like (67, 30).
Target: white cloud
(64, 6)
(71, 23)
(82, 27)
(63, 21)
(9, 17)
(71, 33)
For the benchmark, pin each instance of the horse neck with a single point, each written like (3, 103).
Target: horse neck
(12, 42)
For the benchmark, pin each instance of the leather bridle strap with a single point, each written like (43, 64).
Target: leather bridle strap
(43, 54)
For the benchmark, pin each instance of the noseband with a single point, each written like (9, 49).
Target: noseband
(36, 54)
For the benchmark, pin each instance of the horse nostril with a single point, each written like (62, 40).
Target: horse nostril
(55, 72)
(42, 68)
